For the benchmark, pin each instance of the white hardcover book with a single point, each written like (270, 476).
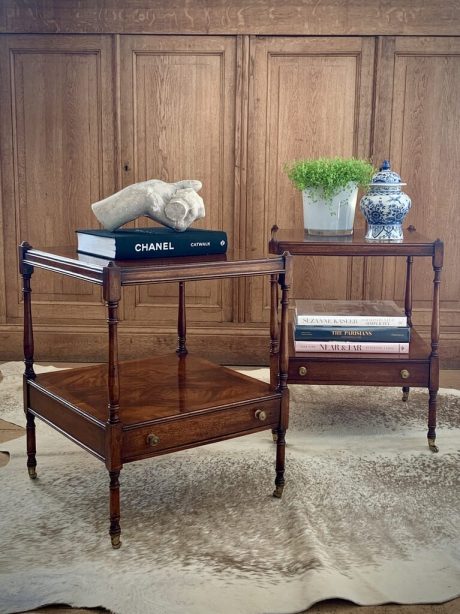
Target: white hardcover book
(348, 313)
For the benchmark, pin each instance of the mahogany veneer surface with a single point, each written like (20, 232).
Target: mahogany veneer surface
(298, 242)
(155, 388)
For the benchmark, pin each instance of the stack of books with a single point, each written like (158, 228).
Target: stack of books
(151, 242)
(350, 326)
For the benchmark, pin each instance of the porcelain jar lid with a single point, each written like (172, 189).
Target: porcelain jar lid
(386, 176)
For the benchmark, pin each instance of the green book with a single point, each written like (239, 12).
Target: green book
(155, 242)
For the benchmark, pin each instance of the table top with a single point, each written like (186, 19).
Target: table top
(297, 242)
(67, 261)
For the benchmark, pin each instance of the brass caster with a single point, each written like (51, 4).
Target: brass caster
(278, 492)
(116, 542)
(32, 473)
(405, 396)
(432, 444)
(274, 436)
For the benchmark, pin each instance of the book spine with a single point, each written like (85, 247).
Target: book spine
(365, 334)
(318, 320)
(177, 244)
(344, 346)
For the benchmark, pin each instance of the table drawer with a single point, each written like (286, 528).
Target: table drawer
(372, 373)
(191, 429)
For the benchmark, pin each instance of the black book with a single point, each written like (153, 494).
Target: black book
(155, 242)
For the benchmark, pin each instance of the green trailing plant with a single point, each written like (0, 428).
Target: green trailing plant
(329, 174)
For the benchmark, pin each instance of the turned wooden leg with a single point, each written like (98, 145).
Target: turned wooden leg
(112, 294)
(28, 343)
(434, 358)
(115, 530)
(31, 446)
(432, 421)
(405, 391)
(181, 323)
(280, 452)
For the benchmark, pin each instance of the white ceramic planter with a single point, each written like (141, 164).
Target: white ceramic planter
(332, 216)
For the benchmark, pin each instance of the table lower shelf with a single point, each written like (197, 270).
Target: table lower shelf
(167, 403)
(362, 369)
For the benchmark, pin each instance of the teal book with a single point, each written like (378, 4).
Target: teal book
(357, 334)
(153, 242)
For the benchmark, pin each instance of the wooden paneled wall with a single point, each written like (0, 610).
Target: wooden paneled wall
(261, 17)
(95, 96)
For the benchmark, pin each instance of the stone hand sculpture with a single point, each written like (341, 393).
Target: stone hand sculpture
(176, 205)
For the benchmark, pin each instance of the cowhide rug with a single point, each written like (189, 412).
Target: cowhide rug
(369, 514)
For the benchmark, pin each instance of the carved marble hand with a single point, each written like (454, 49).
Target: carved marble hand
(176, 205)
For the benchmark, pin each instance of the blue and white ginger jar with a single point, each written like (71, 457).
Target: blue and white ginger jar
(385, 205)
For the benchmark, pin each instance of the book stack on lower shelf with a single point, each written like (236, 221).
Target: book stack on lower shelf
(150, 242)
(377, 327)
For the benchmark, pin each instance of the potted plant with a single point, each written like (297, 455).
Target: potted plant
(329, 189)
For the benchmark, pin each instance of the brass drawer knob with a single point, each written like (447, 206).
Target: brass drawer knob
(405, 373)
(302, 370)
(260, 415)
(152, 440)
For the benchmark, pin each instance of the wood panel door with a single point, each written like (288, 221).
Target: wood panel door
(57, 148)
(178, 105)
(418, 129)
(308, 97)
